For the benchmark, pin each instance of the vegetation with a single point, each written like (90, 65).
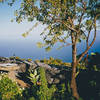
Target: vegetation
(9, 90)
(40, 89)
(44, 92)
(73, 19)
(53, 61)
(40, 85)
(29, 60)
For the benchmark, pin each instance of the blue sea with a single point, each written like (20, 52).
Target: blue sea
(27, 48)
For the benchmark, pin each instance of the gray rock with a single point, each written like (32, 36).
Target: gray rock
(22, 68)
(39, 64)
(4, 60)
(54, 74)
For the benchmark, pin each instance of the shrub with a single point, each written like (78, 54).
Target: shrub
(40, 90)
(17, 58)
(31, 98)
(8, 89)
(53, 61)
(44, 93)
(29, 60)
(61, 92)
(33, 76)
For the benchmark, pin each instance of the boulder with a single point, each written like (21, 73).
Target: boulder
(13, 70)
(17, 70)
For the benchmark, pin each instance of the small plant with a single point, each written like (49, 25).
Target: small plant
(53, 61)
(82, 65)
(9, 90)
(44, 93)
(33, 76)
(31, 98)
(17, 58)
(63, 92)
(29, 60)
(95, 68)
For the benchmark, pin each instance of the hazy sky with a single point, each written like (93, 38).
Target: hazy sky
(10, 30)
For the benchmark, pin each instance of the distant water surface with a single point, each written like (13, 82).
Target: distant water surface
(26, 48)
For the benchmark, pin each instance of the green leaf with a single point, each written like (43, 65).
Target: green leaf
(93, 53)
(77, 74)
(31, 75)
(79, 40)
(88, 22)
(39, 44)
(25, 34)
(47, 42)
(35, 72)
(48, 48)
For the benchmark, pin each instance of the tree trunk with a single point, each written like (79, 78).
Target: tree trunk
(73, 80)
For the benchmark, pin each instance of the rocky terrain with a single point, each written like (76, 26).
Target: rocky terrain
(17, 69)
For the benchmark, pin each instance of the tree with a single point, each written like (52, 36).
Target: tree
(73, 19)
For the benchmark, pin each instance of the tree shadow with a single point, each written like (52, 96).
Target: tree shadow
(89, 80)
(94, 60)
(89, 85)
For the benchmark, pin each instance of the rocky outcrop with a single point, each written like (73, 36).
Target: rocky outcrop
(12, 72)
(17, 69)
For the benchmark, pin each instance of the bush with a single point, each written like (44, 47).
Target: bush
(29, 60)
(39, 89)
(45, 93)
(31, 98)
(17, 58)
(61, 93)
(9, 90)
(53, 61)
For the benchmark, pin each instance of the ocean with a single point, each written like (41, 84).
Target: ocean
(27, 48)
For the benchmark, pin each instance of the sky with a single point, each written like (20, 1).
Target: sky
(11, 30)
(12, 41)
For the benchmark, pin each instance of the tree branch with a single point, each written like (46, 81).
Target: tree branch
(95, 32)
(59, 20)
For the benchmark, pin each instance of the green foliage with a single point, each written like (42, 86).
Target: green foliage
(1, 0)
(95, 68)
(82, 65)
(9, 90)
(40, 45)
(31, 98)
(92, 53)
(29, 60)
(33, 76)
(44, 92)
(17, 58)
(40, 90)
(92, 83)
(62, 17)
(62, 92)
(53, 61)
(48, 48)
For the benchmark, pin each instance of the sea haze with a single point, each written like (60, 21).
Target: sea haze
(26, 48)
